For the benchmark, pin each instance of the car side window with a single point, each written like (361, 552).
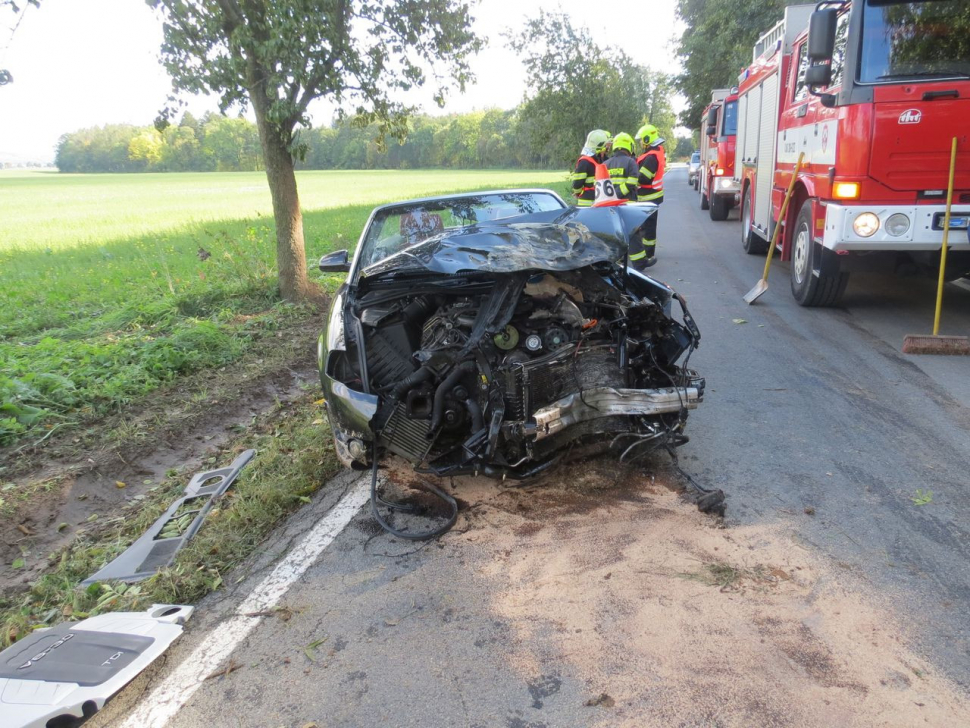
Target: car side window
(801, 90)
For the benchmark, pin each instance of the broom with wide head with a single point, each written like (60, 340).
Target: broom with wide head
(936, 344)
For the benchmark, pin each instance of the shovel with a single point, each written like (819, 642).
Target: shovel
(761, 286)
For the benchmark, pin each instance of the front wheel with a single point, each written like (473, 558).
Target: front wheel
(704, 202)
(720, 207)
(816, 278)
(752, 243)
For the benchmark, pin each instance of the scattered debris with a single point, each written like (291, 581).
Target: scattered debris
(311, 649)
(230, 668)
(156, 549)
(739, 321)
(59, 675)
(922, 497)
(809, 510)
(602, 701)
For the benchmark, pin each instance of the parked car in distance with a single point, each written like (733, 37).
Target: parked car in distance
(692, 169)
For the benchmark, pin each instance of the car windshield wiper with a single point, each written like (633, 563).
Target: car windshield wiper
(926, 74)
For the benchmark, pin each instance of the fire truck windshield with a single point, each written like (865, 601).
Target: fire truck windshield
(729, 126)
(910, 40)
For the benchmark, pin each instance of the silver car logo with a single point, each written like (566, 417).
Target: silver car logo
(910, 116)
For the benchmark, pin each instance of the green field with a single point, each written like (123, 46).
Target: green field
(104, 294)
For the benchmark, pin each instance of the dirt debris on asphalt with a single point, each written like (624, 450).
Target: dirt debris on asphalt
(680, 620)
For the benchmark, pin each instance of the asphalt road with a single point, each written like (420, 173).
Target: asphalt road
(816, 426)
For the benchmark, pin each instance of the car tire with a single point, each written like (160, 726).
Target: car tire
(720, 207)
(816, 278)
(752, 243)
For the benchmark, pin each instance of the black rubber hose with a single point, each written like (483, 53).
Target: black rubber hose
(409, 382)
(478, 421)
(409, 535)
(438, 410)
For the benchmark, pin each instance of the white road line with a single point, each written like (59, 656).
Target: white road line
(165, 701)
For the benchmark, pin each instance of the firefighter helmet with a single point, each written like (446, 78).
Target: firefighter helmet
(649, 135)
(596, 141)
(623, 141)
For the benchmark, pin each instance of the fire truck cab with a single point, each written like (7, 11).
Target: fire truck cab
(872, 95)
(719, 127)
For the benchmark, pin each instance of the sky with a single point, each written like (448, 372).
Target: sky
(81, 63)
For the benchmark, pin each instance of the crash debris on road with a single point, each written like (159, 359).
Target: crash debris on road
(157, 548)
(66, 673)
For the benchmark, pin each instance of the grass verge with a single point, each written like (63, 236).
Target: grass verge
(295, 459)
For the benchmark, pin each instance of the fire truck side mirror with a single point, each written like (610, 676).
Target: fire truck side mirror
(711, 130)
(818, 76)
(712, 117)
(821, 35)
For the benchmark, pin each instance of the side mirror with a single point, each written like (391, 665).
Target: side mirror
(711, 130)
(821, 35)
(335, 262)
(712, 117)
(818, 75)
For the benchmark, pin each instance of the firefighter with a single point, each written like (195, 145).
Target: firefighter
(584, 176)
(650, 182)
(624, 174)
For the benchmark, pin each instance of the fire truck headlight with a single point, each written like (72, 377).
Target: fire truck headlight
(866, 225)
(897, 225)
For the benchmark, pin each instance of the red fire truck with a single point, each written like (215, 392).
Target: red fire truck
(873, 93)
(716, 180)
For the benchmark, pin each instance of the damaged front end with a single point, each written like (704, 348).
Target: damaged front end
(503, 349)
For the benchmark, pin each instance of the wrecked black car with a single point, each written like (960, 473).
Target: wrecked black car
(499, 333)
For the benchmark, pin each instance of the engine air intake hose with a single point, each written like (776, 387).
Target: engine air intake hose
(438, 409)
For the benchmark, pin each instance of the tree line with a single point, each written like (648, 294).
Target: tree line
(478, 140)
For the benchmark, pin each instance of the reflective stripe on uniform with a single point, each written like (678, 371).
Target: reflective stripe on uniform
(651, 196)
(638, 256)
(647, 173)
(584, 203)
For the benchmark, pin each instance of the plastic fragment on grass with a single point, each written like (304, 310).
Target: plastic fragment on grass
(157, 547)
(65, 674)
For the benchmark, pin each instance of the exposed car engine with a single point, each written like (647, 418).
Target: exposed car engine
(506, 374)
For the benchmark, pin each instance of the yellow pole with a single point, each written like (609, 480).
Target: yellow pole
(946, 237)
(781, 215)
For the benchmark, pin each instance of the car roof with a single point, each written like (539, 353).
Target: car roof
(461, 195)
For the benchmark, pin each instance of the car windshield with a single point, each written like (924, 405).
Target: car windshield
(903, 40)
(695, 157)
(396, 228)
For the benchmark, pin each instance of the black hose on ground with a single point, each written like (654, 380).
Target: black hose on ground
(409, 535)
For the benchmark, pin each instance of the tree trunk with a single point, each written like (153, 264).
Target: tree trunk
(290, 253)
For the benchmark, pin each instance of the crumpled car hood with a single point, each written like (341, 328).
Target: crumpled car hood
(557, 240)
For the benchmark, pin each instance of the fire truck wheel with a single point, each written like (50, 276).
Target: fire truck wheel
(752, 243)
(816, 278)
(720, 207)
(704, 203)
